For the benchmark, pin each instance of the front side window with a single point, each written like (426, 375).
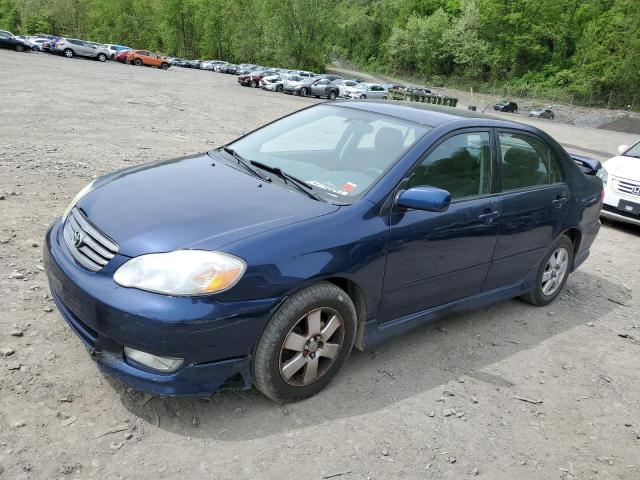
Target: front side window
(460, 165)
(527, 162)
(340, 151)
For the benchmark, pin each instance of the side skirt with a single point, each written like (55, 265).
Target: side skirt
(375, 334)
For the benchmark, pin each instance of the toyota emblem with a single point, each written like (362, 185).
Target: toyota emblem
(78, 239)
(636, 190)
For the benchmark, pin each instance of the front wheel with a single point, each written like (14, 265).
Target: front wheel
(303, 92)
(19, 48)
(553, 272)
(363, 97)
(305, 343)
(68, 53)
(164, 66)
(254, 84)
(332, 95)
(102, 57)
(137, 62)
(279, 88)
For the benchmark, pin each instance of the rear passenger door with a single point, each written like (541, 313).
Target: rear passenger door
(534, 202)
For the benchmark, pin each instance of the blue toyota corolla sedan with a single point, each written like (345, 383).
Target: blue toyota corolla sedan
(266, 261)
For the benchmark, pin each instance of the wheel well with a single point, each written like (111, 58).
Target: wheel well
(357, 297)
(575, 236)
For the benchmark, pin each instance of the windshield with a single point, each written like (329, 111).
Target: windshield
(633, 151)
(339, 151)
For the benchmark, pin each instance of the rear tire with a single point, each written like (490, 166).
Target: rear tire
(305, 343)
(254, 84)
(102, 57)
(68, 53)
(363, 97)
(332, 95)
(19, 48)
(553, 272)
(279, 88)
(303, 92)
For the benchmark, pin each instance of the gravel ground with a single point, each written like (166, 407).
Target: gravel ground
(509, 391)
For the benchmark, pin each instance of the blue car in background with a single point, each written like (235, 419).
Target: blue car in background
(264, 262)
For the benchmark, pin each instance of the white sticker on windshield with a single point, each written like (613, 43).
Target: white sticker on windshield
(330, 188)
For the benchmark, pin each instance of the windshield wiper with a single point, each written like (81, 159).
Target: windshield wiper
(244, 163)
(288, 178)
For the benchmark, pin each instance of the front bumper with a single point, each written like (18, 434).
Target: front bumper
(215, 338)
(614, 206)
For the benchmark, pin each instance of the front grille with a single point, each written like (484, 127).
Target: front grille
(627, 186)
(89, 246)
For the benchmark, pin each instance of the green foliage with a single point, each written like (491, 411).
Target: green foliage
(584, 48)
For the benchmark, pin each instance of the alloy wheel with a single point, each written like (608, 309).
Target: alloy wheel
(555, 271)
(311, 347)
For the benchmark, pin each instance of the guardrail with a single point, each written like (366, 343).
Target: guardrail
(409, 96)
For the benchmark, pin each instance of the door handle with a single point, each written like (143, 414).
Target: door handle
(560, 201)
(489, 216)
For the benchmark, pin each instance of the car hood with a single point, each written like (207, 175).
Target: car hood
(188, 203)
(625, 167)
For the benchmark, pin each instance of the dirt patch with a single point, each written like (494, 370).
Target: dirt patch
(509, 391)
(624, 124)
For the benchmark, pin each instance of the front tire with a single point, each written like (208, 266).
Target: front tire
(305, 343)
(102, 57)
(137, 62)
(552, 273)
(164, 66)
(254, 84)
(303, 92)
(332, 95)
(279, 88)
(19, 48)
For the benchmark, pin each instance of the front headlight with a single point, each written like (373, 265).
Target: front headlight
(182, 272)
(603, 174)
(77, 198)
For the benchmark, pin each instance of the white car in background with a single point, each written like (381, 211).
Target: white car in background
(621, 178)
(273, 83)
(367, 90)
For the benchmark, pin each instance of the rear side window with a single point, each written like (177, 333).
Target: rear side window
(527, 162)
(460, 165)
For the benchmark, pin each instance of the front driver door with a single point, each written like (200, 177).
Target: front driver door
(439, 257)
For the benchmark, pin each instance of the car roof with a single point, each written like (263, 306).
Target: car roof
(424, 113)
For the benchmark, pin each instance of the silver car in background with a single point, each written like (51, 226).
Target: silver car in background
(297, 85)
(72, 47)
(367, 90)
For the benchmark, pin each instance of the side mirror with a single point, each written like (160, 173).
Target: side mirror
(589, 166)
(424, 198)
(622, 149)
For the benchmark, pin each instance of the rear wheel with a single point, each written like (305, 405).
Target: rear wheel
(279, 88)
(137, 62)
(67, 52)
(332, 95)
(19, 48)
(254, 84)
(363, 97)
(553, 272)
(305, 343)
(102, 57)
(303, 92)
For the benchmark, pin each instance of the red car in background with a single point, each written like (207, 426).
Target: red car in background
(122, 56)
(253, 79)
